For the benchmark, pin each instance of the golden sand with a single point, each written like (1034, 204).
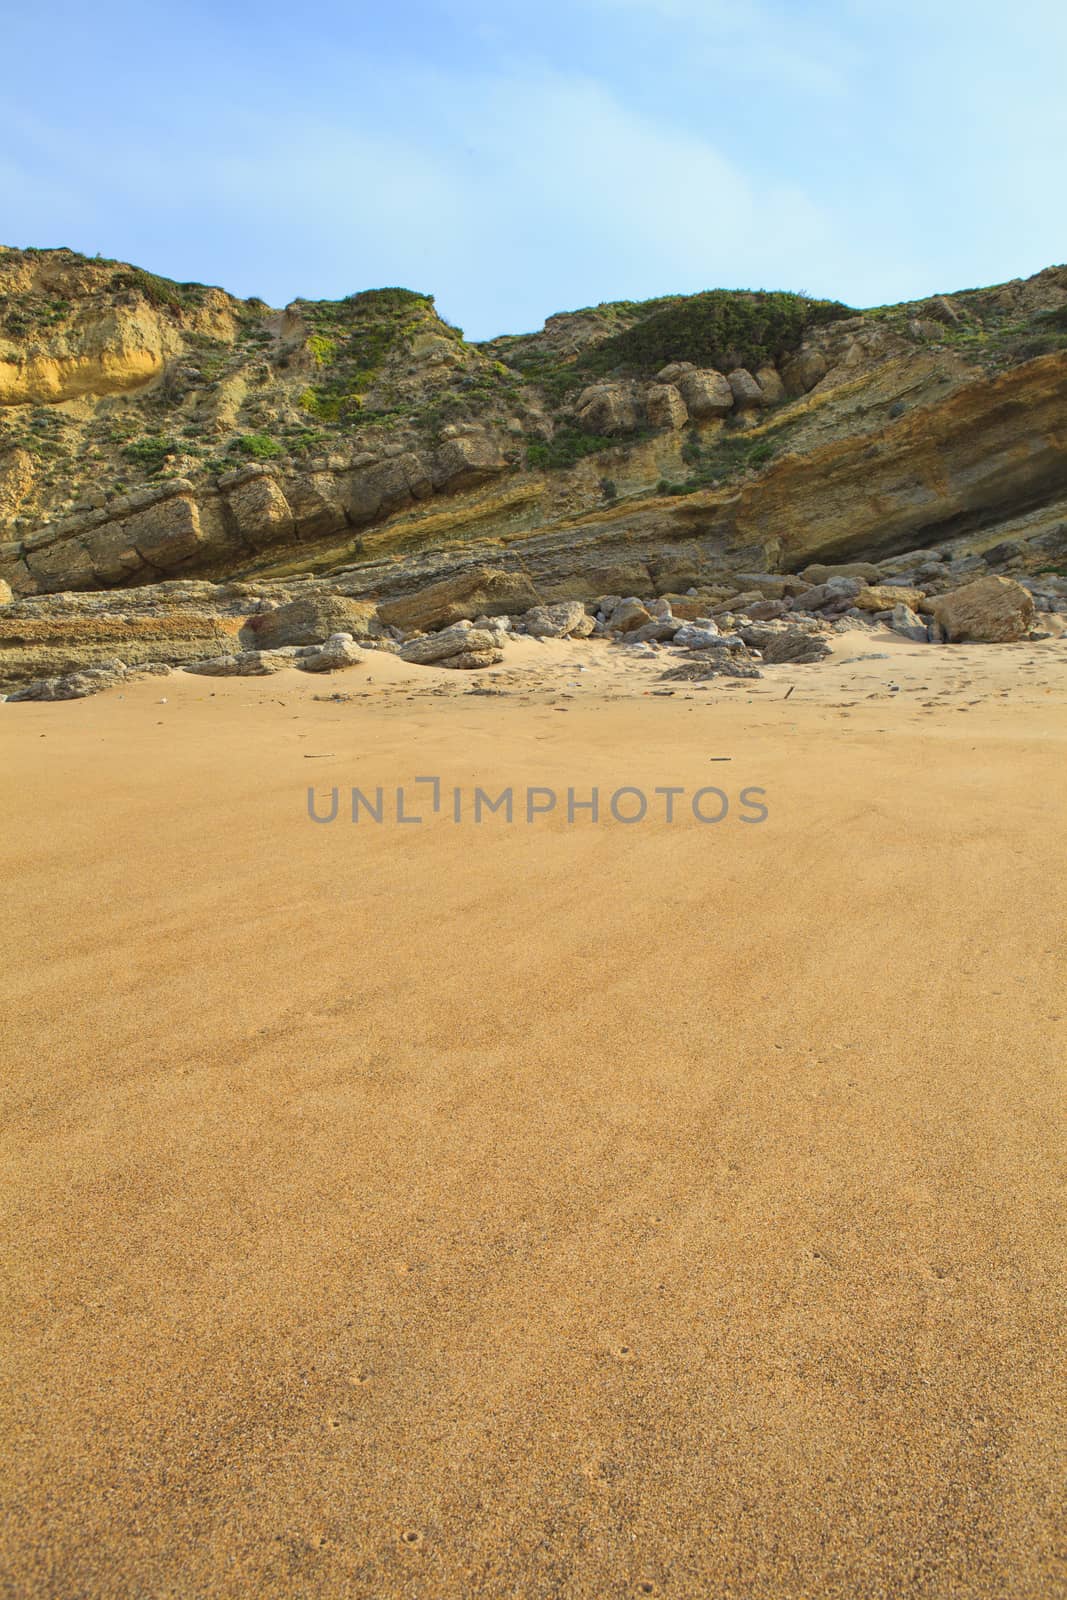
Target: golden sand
(537, 1210)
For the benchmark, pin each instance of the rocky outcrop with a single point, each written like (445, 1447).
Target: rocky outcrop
(993, 610)
(475, 592)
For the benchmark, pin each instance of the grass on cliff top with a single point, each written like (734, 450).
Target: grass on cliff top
(722, 328)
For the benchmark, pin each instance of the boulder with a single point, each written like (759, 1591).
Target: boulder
(566, 619)
(244, 664)
(771, 383)
(260, 511)
(339, 651)
(706, 393)
(431, 648)
(658, 631)
(609, 408)
(820, 573)
(746, 391)
(480, 591)
(674, 370)
(904, 621)
(801, 372)
(471, 660)
(883, 597)
(666, 408)
(310, 620)
(778, 642)
(993, 610)
(72, 685)
(690, 637)
(628, 616)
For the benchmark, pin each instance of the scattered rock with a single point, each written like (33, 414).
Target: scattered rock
(706, 393)
(480, 591)
(566, 619)
(666, 408)
(904, 621)
(628, 615)
(339, 651)
(311, 620)
(471, 660)
(461, 638)
(993, 610)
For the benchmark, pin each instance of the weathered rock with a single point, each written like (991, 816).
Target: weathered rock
(666, 408)
(993, 610)
(339, 651)
(262, 514)
(674, 371)
(610, 408)
(780, 642)
(746, 391)
(471, 660)
(628, 615)
(431, 648)
(690, 637)
(801, 372)
(905, 622)
(73, 685)
(567, 619)
(479, 591)
(658, 631)
(311, 620)
(770, 382)
(244, 664)
(6, 595)
(883, 597)
(766, 610)
(819, 573)
(706, 393)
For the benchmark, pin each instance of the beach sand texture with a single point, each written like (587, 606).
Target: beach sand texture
(538, 1210)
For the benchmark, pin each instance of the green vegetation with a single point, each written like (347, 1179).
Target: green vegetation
(351, 341)
(721, 328)
(159, 292)
(151, 451)
(322, 349)
(260, 446)
(726, 457)
(565, 448)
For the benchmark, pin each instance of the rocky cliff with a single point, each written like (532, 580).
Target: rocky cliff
(151, 430)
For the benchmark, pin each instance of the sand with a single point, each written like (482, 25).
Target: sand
(540, 1210)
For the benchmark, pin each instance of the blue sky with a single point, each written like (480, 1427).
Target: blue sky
(524, 160)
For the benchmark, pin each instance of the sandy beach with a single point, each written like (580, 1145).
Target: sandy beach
(548, 1209)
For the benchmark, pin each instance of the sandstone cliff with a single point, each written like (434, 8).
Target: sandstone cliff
(152, 430)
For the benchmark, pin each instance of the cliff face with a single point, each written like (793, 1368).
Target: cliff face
(153, 430)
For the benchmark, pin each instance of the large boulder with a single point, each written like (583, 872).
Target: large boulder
(471, 660)
(628, 616)
(431, 648)
(820, 573)
(801, 372)
(883, 597)
(339, 651)
(666, 408)
(706, 393)
(567, 619)
(609, 408)
(905, 622)
(478, 592)
(311, 620)
(745, 389)
(993, 610)
(797, 641)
